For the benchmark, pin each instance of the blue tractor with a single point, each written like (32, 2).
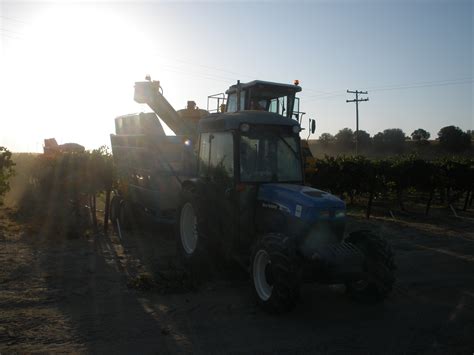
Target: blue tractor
(232, 182)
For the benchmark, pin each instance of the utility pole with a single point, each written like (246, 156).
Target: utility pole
(357, 100)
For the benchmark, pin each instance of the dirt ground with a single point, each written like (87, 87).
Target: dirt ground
(102, 294)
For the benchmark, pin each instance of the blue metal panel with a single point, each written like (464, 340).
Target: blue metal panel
(302, 202)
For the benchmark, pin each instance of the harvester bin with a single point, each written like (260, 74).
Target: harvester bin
(149, 163)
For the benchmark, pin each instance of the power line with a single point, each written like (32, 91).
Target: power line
(326, 97)
(12, 32)
(461, 81)
(4, 35)
(208, 67)
(416, 84)
(185, 61)
(190, 62)
(357, 100)
(467, 81)
(320, 92)
(13, 19)
(193, 73)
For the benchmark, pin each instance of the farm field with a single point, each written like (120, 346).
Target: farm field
(161, 196)
(99, 293)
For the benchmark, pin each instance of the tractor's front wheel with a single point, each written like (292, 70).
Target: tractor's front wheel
(379, 267)
(275, 274)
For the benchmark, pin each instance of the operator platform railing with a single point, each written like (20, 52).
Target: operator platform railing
(216, 103)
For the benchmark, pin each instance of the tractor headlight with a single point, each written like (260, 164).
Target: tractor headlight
(296, 129)
(244, 127)
(340, 214)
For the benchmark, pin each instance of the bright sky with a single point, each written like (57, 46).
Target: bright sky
(67, 70)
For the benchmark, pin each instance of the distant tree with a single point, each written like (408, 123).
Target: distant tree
(378, 141)
(345, 138)
(326, 139)
(364, 139)
(392, 140)
(471, 133)
(420, 135)
(453, 139)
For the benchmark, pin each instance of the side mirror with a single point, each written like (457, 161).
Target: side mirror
(313, 126)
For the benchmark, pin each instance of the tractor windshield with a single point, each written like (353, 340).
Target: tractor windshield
(269, 155)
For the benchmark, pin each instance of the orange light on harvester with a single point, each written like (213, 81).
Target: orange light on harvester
(240, 187)
(296, 82)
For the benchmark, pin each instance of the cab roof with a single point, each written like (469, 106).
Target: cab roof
(232, 120)
(260, 84)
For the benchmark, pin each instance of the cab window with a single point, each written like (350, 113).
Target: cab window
(279, 105)
(232, 102)
(204, 155)
(217, 155)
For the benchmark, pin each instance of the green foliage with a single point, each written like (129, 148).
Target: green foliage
(390, 140)
(356, 175)
(470, 132)
(456, 173)
(326, 139)
(345, 138)
(420, 134)
(453, 139)
(74, 173)
(67, 183)
(6, 170)
(364, 140)
(101, 169)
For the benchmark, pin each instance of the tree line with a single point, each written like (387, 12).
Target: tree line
(451, 139)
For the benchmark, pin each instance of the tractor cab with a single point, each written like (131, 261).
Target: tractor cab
(260, 95)
(250, 147)
(276, 98)
(242, 154)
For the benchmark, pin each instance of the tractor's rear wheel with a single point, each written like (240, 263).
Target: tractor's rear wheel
(125, 215)
(379, 267)
(114, 210)
(275, 274)
(190, 240)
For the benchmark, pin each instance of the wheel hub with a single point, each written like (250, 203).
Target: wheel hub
(262, 275)
(269, 274)
(360, 285)
(188, 228)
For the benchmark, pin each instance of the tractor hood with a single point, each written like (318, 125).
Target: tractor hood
(302, 202)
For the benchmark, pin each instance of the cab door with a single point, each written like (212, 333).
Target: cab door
(217, 185)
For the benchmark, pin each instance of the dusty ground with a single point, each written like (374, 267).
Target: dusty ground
(90, 294)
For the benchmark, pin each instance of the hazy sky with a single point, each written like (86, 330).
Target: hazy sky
(67, 70)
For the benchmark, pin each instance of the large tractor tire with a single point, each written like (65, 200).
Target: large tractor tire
(125, 215)
(379, 266)
(191, 243)
(275, 273)
(114, 210)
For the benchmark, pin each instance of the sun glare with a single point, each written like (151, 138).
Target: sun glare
(74, 67)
